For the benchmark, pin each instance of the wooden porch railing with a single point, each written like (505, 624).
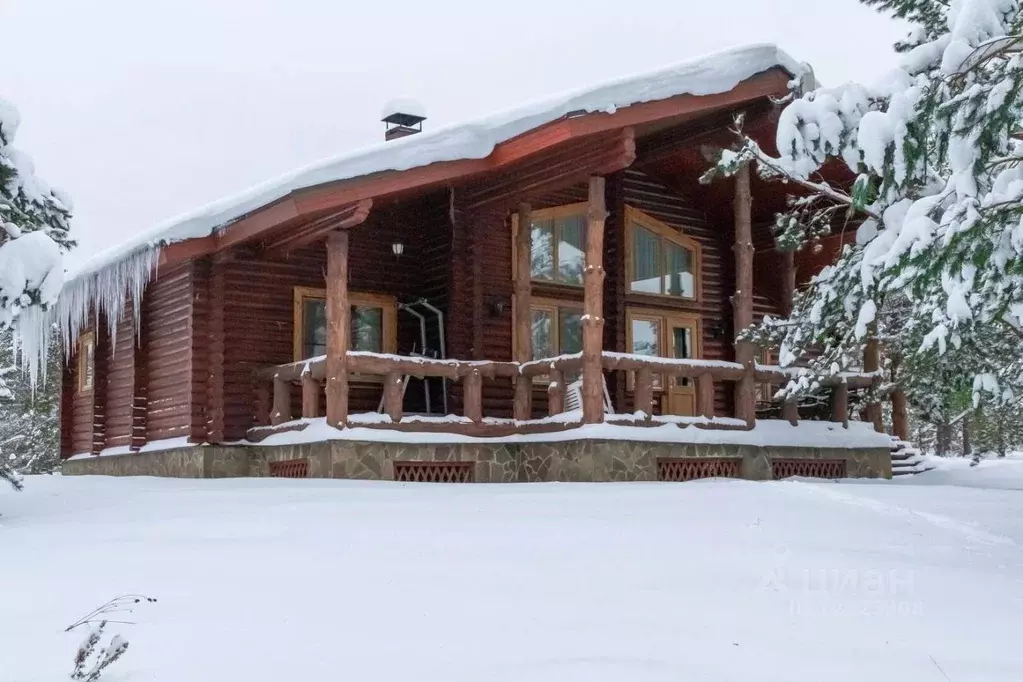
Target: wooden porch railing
(274, 387)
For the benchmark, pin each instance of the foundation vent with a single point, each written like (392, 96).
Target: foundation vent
(808, 468)
(434, 472)
(290, 468)
(678, 469)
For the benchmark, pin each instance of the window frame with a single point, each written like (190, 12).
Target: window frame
(662, 317)
(552, 213)
(86, 361)
(665, 232)
(552, 306)
(389, 319)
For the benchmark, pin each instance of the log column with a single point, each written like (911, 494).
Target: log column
(900, 415)
(742, 301)
(523, 327)
(593, 306)
(788, 282)
(338, 323)
(872, 363)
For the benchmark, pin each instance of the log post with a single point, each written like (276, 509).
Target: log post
(556, 392)
(474, 396)
(788, 282)
(264, 404)
(282, 402)
(644, 396)
(840, 404)
(338, 323)
(872, 363)
(393, 397)
(310, 396)
(900, 415)
(742, 301)
(523, 408)
(790, 411)
(705, 394)
(593, 305)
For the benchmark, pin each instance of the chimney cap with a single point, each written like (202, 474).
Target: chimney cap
(403, 112)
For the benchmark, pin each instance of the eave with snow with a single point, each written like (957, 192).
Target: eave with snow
(393, 295)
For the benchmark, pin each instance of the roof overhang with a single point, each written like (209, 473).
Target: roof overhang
(315, 203)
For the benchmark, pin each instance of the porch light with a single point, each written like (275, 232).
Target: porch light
(397, 248)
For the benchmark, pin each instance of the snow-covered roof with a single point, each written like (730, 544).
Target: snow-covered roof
(712, 74)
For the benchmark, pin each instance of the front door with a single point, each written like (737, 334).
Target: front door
(681, 344)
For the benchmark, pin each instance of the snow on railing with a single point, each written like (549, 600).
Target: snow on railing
(641, 371)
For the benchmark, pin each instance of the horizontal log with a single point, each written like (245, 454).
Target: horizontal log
(721, 371)
(562, 363)
(379, 364)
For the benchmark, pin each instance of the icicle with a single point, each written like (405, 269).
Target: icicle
(31, 337)
(104, 293)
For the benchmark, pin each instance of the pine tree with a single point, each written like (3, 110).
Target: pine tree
(34, 233)
(937, 206)
(29, 415)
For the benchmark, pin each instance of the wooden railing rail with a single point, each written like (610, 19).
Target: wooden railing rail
(274, 406)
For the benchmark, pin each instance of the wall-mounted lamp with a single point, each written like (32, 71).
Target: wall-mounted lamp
(497, 306)
(397, 248)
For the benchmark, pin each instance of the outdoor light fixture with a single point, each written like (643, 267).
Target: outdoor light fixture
(397, 248)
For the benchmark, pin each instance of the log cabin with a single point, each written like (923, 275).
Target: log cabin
(547, 294)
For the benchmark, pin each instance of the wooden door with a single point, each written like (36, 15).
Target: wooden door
(682, 342)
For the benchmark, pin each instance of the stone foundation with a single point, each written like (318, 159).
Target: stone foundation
(579, 460)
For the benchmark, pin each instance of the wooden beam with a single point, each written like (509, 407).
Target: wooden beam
(565, 166)
(840, 404)
(742, 300)
(282, 403)
(644, 394)
(790, 411)
(310, 396)
(714, 127)
(593, 305)
(474, 396)
(351, 215)
(705, 394)
(393, 398)
(788, 281)
(338, 332)
(556, 392)
(523, 405)
(900, 415)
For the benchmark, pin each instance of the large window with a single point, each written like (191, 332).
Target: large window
(557, 244)
(86, 362)
(660, 260)
(373, 323)
(557, 328)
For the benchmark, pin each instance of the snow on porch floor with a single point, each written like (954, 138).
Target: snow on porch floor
(269, 580)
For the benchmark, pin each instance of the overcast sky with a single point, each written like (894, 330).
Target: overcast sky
(144, 109)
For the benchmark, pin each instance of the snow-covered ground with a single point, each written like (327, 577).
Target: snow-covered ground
(269, 580)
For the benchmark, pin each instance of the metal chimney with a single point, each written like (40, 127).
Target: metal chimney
(403, 118)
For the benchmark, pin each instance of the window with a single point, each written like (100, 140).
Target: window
(663, 334)
(373, 323)
(660, 260)
(86, 362)
(557, 328)
(557, 244)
